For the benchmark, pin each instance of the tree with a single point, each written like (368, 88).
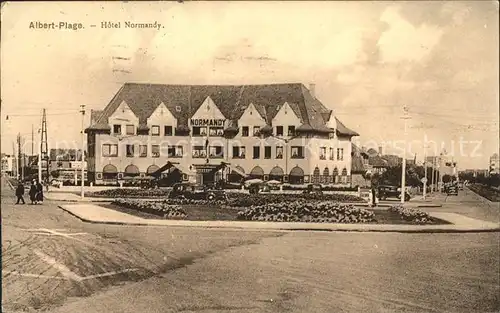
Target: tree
(447, 178)
(54, 174)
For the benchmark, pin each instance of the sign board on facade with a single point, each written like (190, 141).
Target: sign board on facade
(207, 122)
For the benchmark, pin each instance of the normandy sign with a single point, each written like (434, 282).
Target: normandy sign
(207, 122)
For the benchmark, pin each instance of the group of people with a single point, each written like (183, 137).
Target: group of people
(35, 192)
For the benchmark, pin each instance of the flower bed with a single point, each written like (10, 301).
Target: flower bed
(162, 208)
(184, 201)
(246, 200)
(306, 211)
(129, 193)
(412, 215)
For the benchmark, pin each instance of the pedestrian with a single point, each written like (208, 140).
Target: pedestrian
(20, 193)
(33, 192)
(39, 196)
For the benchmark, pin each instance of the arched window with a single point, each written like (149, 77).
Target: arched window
(257, 172)
(110, 172)
(131, 171)
(296, 175)
(276, 173)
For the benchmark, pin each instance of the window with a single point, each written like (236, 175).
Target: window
(279, 130)
(267, 152)
(155, 130)
(143, 151)
(117, 129)
(155, 151)
(291, 130)
(332, 134)
(216, 131)
(169, 130)
(199, 131)
(256, 152)
(199, 152)
(340, 154)
(216, 152)
(322, 153)
(129, 152)
(331, 156)
(175, 151)
(279, 152)
(256, 131)
(239, 152)
(109, 150)
(297, 152)
(130, 129)
(244, 131)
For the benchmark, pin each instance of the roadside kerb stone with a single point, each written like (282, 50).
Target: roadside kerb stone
(96, 214)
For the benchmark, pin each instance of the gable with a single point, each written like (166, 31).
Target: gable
(163, 116)
(286, 116)
(208, 110)
(251, 116)
(123, 114)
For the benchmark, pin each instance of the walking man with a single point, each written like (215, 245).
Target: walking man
(20, 193)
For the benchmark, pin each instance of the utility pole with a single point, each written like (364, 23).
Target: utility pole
(405, 118)
(19, 156)
(40, 159)
(82, 110)
(425, 171)
(440, 183)
(44, 148)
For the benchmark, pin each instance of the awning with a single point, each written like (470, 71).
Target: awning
(239, 171)
(184, 170)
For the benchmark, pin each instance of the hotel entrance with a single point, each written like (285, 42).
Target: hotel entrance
(208, 174)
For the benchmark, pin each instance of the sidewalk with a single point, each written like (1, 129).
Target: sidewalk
(97, 214)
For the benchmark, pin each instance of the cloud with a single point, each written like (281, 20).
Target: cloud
(403, 41)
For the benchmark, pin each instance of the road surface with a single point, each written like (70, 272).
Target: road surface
(54, 262)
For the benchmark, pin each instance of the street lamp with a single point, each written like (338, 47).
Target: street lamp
(405, 117)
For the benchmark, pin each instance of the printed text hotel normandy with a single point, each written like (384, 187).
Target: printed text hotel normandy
(104, 25)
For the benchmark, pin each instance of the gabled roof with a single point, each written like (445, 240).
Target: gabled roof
(356, 151)
(232, 100)
(343, 130)
(94, 116)
(377, 161)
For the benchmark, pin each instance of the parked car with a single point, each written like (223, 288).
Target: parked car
(386, 191)
(196, 192)
(314, 189)
(452, 190)
(259, 188)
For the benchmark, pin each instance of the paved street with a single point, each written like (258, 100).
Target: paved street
(53, 261)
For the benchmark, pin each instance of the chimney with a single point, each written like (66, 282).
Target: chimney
(312, 90)
(380, 150)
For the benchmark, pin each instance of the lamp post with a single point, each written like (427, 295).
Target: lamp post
(82, 110)
(425, 171)
(405, 117)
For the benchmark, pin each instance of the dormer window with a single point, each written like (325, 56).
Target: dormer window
(291, 130)
(117, 129)
(178, 108)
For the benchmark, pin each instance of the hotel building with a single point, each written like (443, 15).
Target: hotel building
(272, 132)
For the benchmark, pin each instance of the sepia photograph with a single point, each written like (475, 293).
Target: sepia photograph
(250, 156)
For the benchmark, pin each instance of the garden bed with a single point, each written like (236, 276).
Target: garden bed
(297, 211)
(118, 193)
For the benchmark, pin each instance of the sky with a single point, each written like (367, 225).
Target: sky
(368, 61)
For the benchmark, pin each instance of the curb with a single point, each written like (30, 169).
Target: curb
(403, 231)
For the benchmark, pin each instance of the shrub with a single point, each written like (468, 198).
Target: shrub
(130, 193)
(153, 207)
(307, 211)
(412, 214)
